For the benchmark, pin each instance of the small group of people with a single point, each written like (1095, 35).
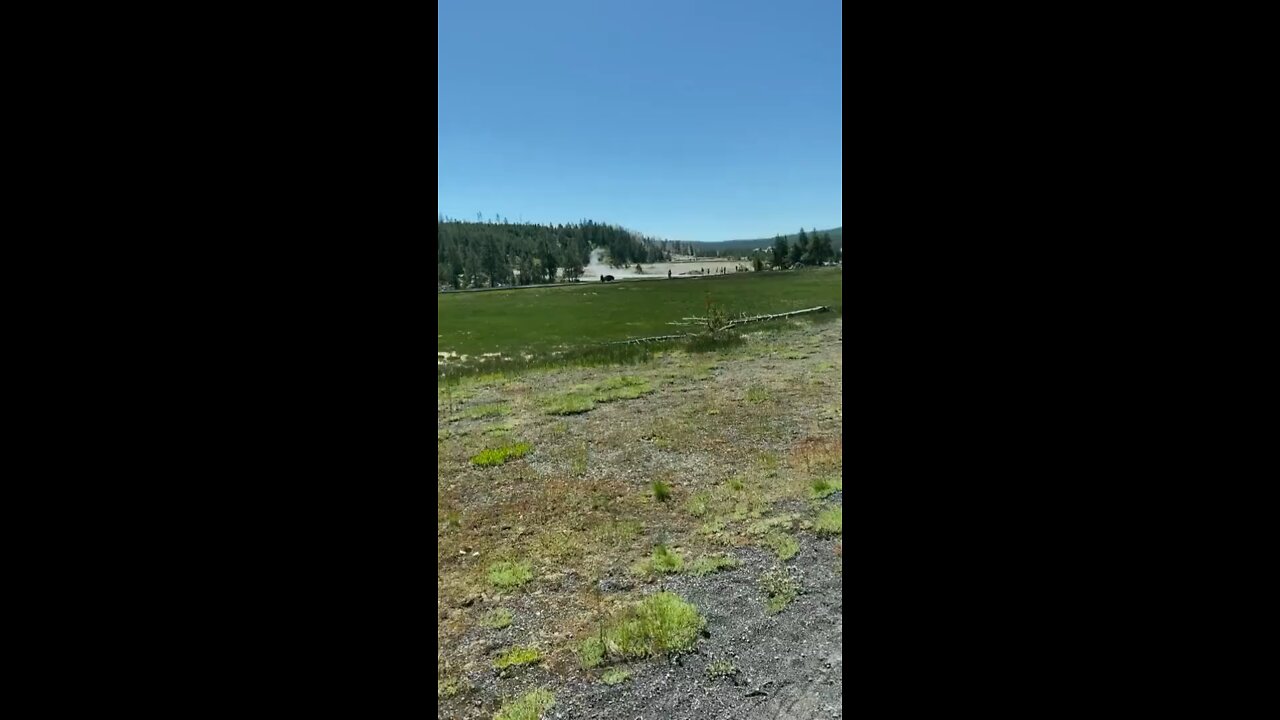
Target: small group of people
(704, 271)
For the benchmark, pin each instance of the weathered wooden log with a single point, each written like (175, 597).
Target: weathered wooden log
(759, 318)
(655, 338)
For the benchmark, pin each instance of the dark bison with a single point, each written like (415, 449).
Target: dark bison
(608, 278)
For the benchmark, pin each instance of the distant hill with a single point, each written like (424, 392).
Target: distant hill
(746, 246)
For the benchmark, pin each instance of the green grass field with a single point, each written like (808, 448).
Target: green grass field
(538, 321)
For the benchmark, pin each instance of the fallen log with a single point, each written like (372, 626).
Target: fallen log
(743, 321)
(655, 338)
(760, 318)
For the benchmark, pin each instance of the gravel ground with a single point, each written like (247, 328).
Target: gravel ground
(787, 664)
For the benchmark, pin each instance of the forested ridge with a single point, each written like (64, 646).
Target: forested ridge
(499, 254)
(492, 254)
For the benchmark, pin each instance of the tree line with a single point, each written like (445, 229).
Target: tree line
(808, 249)
(481, 254)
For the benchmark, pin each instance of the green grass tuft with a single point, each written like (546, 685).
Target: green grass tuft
(591, 653)
(663, 561)
(661, 491)
(712, 563)
(568, 405)
(782, 544)
(452, 686)
(507, 575)
(822, 487)
(528, 707)
(517, 656)
(621, 388)
(757, 395)
(662, 622)
(666, 560)
(830, 521)
(498, 456)
(613, 676)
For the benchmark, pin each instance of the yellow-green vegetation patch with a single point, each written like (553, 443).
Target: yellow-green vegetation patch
(664, 560)
(621, 388)
(568, 404)
(720, 669)
(782, 544)
(768, 526)
(613, 676)
(500, 429)
(757, 395)
(747, 504)
(780, 587)
(500, 455)
(451, 686)
(708, 564)
(497, 618)
(517, 656)
(822, 487)
(662, 622)
(507, 575)
(713, 527)
(830, 521)
(528, 707)
(583, 398)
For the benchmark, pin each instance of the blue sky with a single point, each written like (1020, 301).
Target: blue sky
(693, 120)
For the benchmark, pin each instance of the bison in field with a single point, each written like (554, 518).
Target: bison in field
(607, 278)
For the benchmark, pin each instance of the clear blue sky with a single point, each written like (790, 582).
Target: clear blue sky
(691, 120)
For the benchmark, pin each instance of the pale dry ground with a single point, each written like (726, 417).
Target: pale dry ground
(740, 438)
(689, 268)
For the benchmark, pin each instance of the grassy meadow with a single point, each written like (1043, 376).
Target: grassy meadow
(543, 320)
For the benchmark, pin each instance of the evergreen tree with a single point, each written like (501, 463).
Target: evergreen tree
(780, 252)
(798, 250)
